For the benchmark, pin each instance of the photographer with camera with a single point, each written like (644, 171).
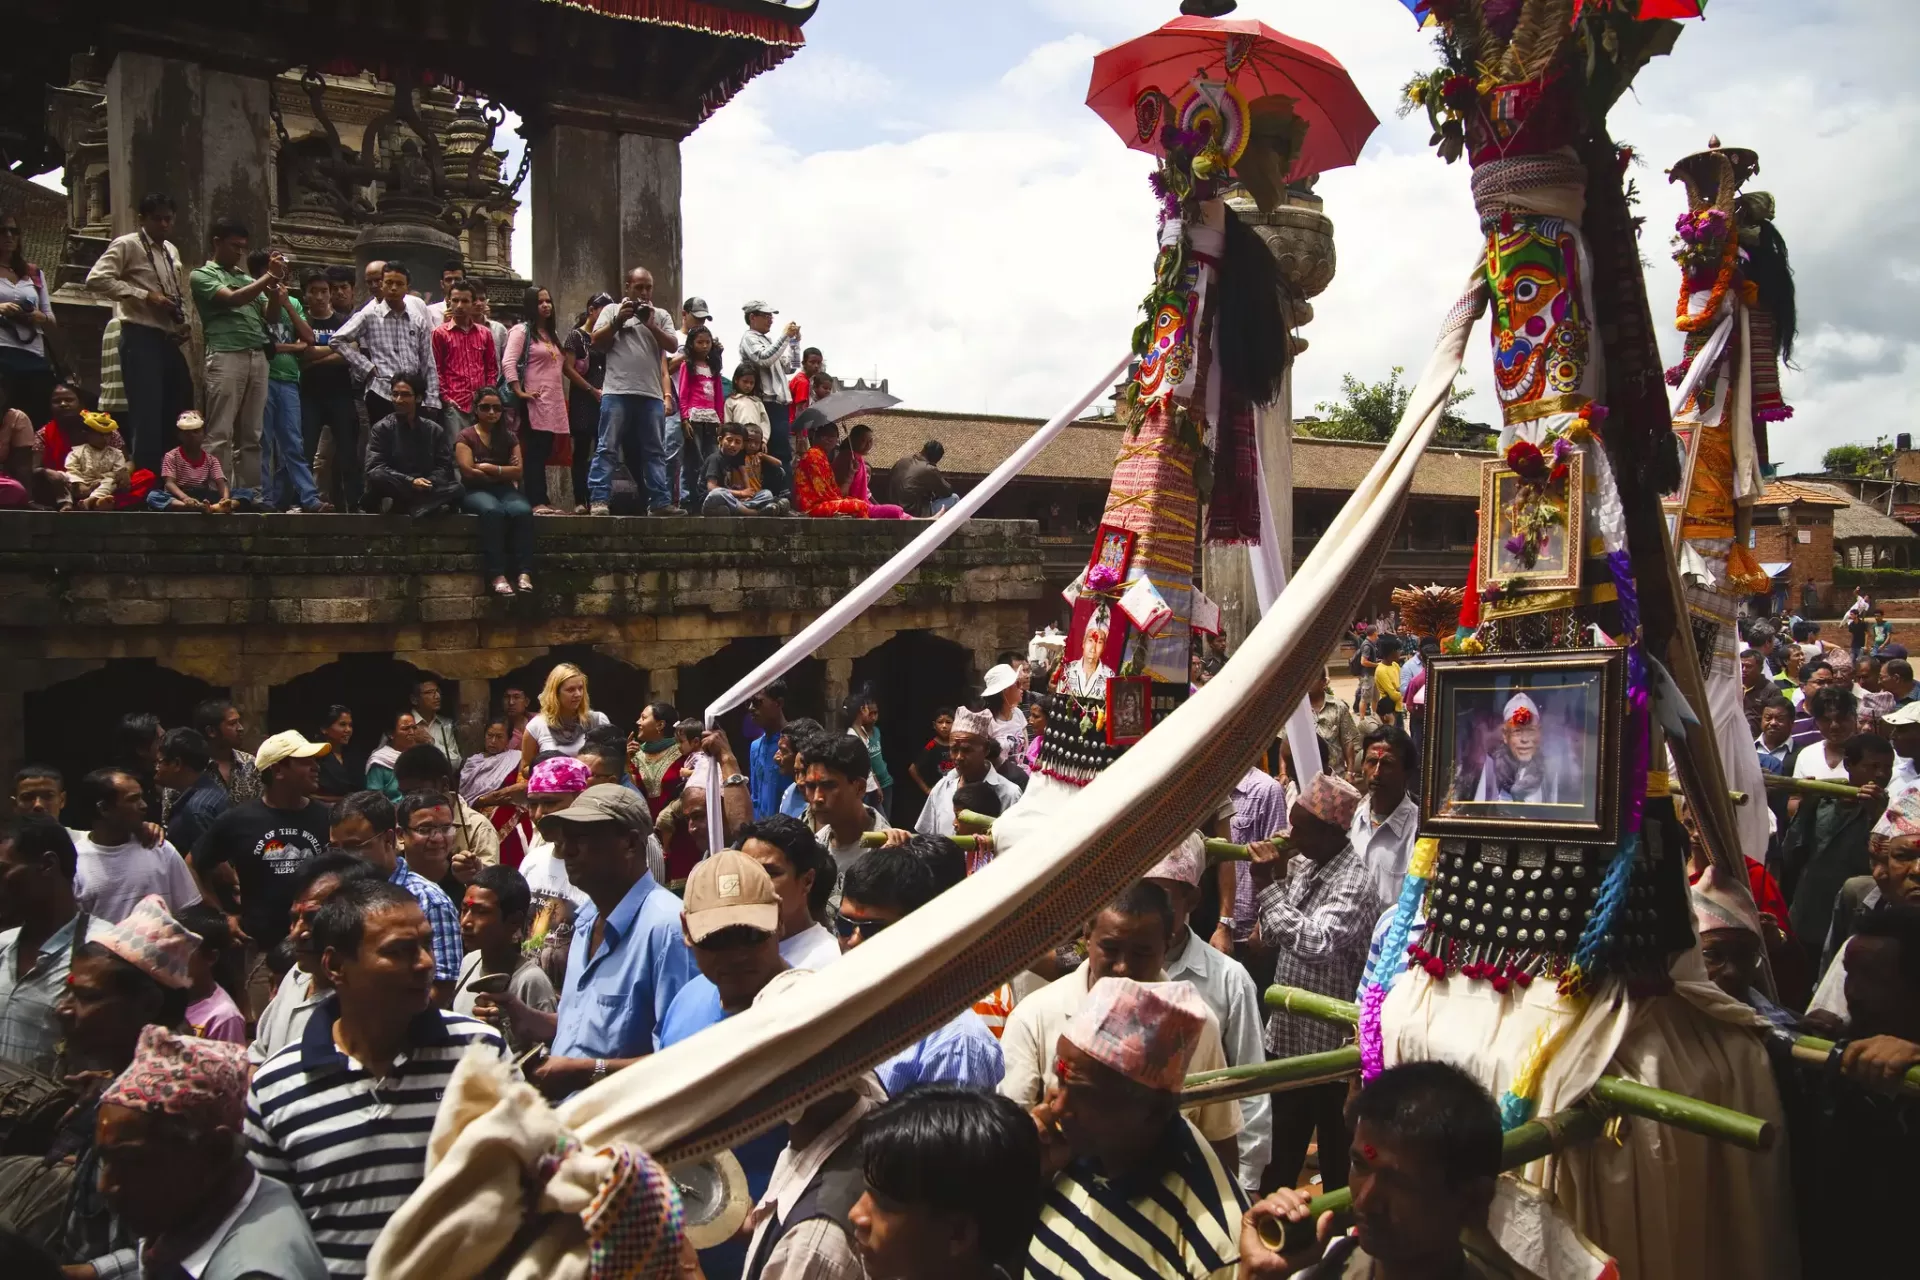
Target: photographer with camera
(233, 310)
(775, 359)
(142, 272)
(636, 335)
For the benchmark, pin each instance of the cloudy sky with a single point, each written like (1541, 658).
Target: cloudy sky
(923, 189)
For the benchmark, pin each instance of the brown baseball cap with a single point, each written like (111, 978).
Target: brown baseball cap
(727, 890)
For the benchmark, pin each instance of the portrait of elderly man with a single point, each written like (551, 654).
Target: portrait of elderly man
(1521, 768)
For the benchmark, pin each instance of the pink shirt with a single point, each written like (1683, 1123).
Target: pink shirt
(217, 1018)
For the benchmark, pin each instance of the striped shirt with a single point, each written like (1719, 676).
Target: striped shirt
(448, 947)
(351, 1147)
(1183, 1224)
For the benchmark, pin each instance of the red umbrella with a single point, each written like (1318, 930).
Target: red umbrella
(1255, 61)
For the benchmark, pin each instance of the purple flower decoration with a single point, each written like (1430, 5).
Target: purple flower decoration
(1103, 577)
(1517, 544)
(1561, 448)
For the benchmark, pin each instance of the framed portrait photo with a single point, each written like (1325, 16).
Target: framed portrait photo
(1532, 533)
(1112, 552)
(1525, 746)
(1129, 709)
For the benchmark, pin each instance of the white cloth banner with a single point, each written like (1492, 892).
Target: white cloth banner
(888, 576)
(1269, 561)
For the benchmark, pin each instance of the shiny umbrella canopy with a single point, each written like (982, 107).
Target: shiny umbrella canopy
(849, 401)
(1254, 59)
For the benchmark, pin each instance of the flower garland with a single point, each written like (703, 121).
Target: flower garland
(1685, 318)
(1373, 995)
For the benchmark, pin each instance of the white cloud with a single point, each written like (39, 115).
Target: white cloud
(987, 248)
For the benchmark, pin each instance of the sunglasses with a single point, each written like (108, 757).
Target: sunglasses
(486, 408)
(846, 926)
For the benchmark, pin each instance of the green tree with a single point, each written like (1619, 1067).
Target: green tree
(1859, 459)
(1371, 410)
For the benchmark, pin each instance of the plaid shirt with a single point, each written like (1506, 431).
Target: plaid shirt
(29, 1034)
(448, 949)
(389, 342)
(466, 362)
(1320, 920)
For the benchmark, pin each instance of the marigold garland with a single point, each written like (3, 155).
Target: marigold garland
(1684, 319)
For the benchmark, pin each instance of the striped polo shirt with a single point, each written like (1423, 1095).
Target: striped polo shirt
(352, 1148)
(1181, 1222)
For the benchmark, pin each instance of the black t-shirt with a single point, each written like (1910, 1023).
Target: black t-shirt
(934, 759)
(328, 379)
(1857, 631)
(267, 848)
(727, 473)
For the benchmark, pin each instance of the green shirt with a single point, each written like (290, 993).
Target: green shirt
(283, 367)
(227, 328)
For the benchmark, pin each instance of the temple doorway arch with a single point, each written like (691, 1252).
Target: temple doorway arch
(703, 681)
(913, 674)
(616, 689)
(374, 686)
(70, 724)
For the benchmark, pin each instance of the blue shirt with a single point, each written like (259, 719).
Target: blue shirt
(963, 1052)
(763, 776)
(615, 997)
(793, 802)
(1771, 760)
(195, 809)
(448, 948)
(696, 1008)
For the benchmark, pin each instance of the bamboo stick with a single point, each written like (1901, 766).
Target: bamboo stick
(1520, 1146)
(1612, 1092)
(1217, 850)
(1810, 786)
(1276, 1076)
(1817, 1052)
(978, 821)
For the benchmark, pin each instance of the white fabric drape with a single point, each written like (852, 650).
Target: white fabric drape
(1273, 467)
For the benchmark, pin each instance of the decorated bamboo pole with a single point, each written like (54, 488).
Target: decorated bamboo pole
(1611, 1092)
(1811, 787)
(1277, 1076)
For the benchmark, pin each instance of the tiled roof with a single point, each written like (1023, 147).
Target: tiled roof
(1783, 493)
(977, 443)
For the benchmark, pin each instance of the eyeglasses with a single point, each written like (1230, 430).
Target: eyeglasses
(433, 829)
(846, 926)
(9, 231)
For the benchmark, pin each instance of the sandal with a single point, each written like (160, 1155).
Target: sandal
(526, 583)
(544, 510)
(501, 587)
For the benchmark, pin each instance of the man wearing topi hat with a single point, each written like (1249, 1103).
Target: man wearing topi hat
(1317, 905)
(1119, 1153)
(972, 731)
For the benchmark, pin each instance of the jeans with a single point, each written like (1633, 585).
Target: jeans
(671, 441)
(159, 389)
(723, 502)
(236, 410)
(334, 410)
(630, 431)
(503, 512)
(779, 442)
(939, 505)
(288, 466)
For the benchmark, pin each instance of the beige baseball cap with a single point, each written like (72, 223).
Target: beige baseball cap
(727, 890)
(287, 745)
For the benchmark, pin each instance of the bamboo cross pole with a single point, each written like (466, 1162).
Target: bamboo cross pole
(1217, 850)
(1610, 1092)
(1275, 1076)
(1818, 1052)
(1810, 787)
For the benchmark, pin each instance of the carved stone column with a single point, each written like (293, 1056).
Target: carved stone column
(604, 201)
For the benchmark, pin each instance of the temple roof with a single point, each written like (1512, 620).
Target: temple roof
(977, 443)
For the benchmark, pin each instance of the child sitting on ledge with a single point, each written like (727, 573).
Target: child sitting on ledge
(190, 477)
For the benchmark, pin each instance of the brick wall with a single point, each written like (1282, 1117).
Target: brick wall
(1811, 562)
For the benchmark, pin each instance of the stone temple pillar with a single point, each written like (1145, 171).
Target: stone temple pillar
(604, 201)
(199, 135)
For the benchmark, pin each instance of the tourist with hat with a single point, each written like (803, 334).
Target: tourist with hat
(343, 1114)
(1000, 694)
(1129, 939)
(1224, 983)
(124, 977)
(773, 361)
(1317, 901)
(1118, 1152)
(628, 959)
(731, 920)
(270, 839)
(967, 745)
(172, 1150)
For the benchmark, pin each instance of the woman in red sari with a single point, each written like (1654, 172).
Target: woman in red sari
(65, 430)
(816, 492)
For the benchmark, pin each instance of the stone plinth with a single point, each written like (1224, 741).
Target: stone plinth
(249, 603)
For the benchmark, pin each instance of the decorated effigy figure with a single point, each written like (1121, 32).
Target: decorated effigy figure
(1736, 308)
(1543, 936)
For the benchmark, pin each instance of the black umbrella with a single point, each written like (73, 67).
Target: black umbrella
(844, 404)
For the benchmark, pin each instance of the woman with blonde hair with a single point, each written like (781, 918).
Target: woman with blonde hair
(565, 717)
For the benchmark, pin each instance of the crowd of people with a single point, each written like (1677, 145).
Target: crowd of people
(310, 942)
(320, 398)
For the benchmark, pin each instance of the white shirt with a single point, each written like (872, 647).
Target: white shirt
(1906, 777)
(537, 730)
(1831, 995)
(633, 362)
(110, 880)
(1386, 846)
(196, 1262)
(546, 875)
(415, 304)
(1228, 989)
(1813, 764)
(285, 1017)
(814, 947)
(937, 814)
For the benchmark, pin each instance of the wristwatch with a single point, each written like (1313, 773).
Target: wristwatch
(599, 1070)
(736, 780)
